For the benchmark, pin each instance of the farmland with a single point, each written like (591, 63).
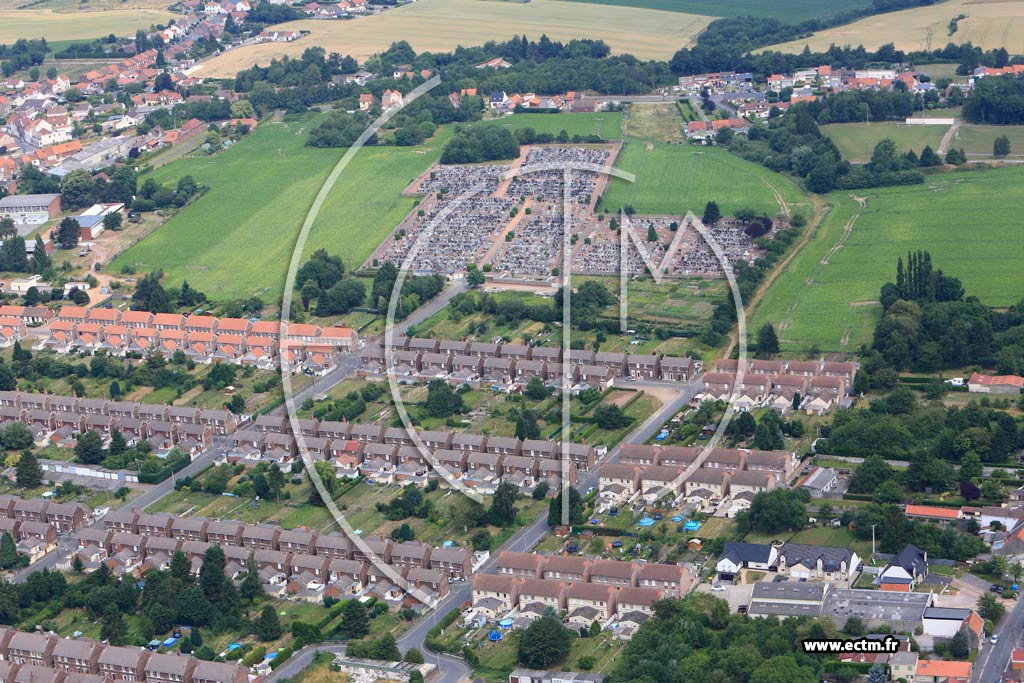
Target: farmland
(236, 240)
(856, 141)
(828, 295)
(55, 26)
(783, 10)
(988, 25)
(672, 179)
(441, 25)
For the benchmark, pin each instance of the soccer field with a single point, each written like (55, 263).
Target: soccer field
(828, 295)
(674, 179)
(237, 239)
(442, 25)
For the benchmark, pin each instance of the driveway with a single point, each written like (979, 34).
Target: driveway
(734, 595)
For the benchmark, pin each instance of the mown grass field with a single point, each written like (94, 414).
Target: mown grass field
(783, 10)
(856, 141)
(978, 140)
(237, 239)
(85, 25)
(828, 295)
(988, 25)
(442, 25)
(606, 124)
(674, 179)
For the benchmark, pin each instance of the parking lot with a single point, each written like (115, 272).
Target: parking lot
(734, 595)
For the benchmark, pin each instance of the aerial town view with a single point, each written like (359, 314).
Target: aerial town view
(511, 341)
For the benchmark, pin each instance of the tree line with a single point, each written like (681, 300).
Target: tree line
(929, 324)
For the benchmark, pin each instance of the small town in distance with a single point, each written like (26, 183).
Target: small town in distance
(557, 341)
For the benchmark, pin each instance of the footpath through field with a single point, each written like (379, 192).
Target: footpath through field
(751, 305)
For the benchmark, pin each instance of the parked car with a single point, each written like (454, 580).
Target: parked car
(718, 587)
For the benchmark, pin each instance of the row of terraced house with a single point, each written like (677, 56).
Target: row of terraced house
(60, 420)
(512, 366)
(47, 658)
(815, 387)
(36, 524)
(613, 593)
(297, 563)
(649, 473)
(387, 454)
(202, 338)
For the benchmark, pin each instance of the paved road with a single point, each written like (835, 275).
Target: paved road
(525, 540)
(349, 364)
(450, 669)
(346, 367)
(301, 659)
(994, 659)
(148, 497)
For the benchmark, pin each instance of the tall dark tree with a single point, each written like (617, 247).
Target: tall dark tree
(355, 623)
(712, 214)
(68, 233)
(181, 568)
(89, 448)
(268, 626)
(113, 629)
(544, 643)
(767, 341)
(576, 511)
(275, 479)
(1001, 146)
(251, 586)
(27, 472)
(211, 574)
(8, 551)
(503, 504)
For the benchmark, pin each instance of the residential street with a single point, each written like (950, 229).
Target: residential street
(994, 659)
(524, 540)
(451, 669)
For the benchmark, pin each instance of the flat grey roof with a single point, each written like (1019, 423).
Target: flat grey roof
(17, 201)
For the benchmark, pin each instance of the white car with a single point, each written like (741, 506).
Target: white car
(718, 587)
(994, 639)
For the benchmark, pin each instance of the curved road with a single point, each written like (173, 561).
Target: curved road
(450, 669)
(453, 669)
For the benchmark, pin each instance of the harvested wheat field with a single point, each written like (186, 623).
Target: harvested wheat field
(79, 25)
(440, 25)
(988, 24)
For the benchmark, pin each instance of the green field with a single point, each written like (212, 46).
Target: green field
(856, 141)
(827, 296)
(783, 10)
(943, 70)
(237, 239)
(38, 23)
(673, 179)
(606, 124)
(977, 140)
